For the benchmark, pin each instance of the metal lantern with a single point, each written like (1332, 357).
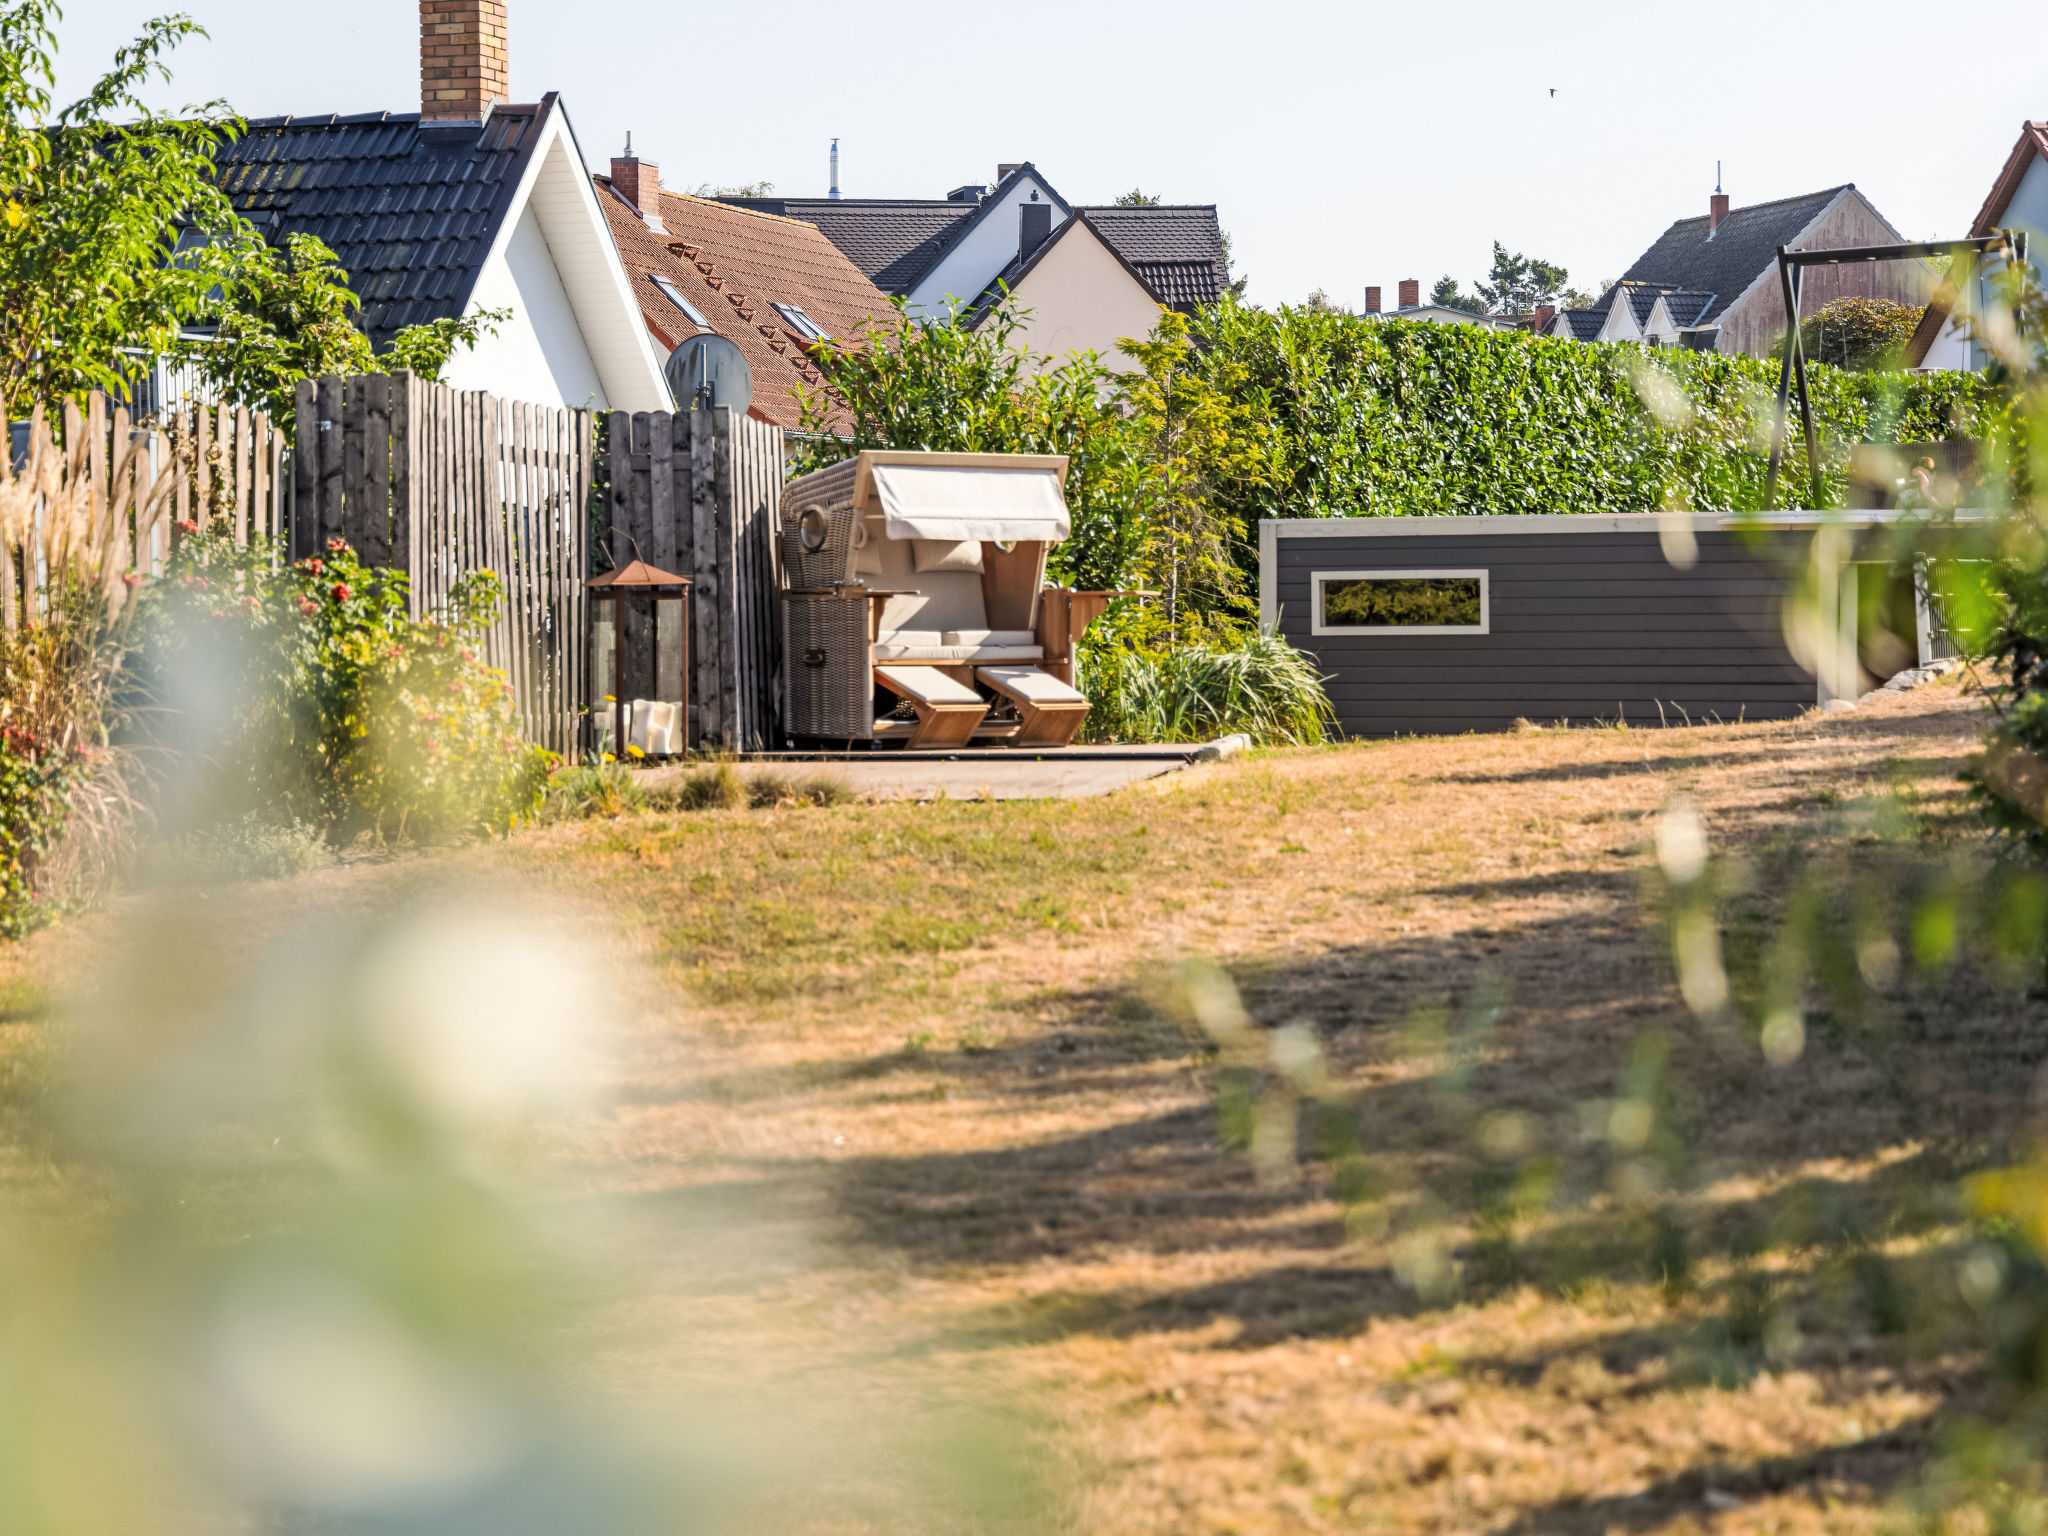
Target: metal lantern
(639, 579)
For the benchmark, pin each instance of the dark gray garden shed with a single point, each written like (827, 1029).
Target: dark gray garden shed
(1433, 625)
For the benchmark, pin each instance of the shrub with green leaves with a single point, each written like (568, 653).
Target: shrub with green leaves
(1859, 333)
(1367, 418)
(341, 708)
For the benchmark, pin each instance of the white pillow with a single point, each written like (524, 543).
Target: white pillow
(945, 555)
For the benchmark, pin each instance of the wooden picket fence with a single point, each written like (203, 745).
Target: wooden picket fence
(440, 482)
(698, 493)
(229, 464)
(196, 466)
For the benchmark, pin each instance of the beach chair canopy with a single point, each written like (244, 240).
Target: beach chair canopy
(997, 497)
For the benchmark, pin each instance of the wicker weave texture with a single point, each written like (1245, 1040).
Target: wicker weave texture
(830, 491)
(829, 674)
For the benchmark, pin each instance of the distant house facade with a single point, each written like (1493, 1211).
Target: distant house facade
(1711, 282)
(1411, 307)
(773, 286)
(1071, 292)
(471, 204)
(1089, 274)
(2018, 201)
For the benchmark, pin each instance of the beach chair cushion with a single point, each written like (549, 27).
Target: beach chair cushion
(1030, 685)
(927, 685)
(958, 645)
(943, 600)
(945, 555)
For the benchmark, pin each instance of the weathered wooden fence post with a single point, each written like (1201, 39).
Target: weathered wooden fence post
(438, 483)
(698, 493)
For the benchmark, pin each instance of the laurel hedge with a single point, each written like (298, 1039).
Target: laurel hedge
(1363, 418)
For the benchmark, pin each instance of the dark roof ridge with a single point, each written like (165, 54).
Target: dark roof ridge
(841, 202)
(1776, 202)
(357, 119)
(724, 205)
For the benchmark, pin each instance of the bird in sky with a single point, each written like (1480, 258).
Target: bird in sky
(1553, 90)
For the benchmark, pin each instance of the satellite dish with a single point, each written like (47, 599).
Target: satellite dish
(708, 369)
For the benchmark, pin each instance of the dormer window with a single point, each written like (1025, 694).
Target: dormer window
(801, 323)
(674, 295)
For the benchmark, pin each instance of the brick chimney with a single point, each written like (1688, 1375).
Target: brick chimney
(1411, 292)
(639, 183)
(463, 64)
(1372, 301)
(1717, 210)
(1545, 313)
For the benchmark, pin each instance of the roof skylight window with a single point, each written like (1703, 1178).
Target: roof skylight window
(802, 323)
(675, 296)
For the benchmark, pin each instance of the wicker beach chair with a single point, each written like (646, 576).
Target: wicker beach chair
(914, 583)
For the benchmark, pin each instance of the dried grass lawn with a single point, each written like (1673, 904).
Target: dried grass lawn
(923, 1065)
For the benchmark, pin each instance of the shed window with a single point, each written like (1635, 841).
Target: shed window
(1401, 602)
(801, 323)
(675, 296)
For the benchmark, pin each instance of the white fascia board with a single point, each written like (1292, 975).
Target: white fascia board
(587, 260)
(1269, 556)
(967, 269)
(1455, 523)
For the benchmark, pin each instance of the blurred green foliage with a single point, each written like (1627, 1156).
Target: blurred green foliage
(331, 702)
(300, 1239)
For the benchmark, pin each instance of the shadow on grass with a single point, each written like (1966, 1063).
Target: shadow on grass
(1866, 1470)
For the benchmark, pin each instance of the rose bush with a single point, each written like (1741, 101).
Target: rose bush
(340, 708)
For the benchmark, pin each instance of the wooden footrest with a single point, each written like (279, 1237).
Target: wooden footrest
(947, 710)
(1051, 711)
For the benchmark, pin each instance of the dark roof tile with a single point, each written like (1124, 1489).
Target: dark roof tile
(1177, 249)
(1723, 262)
(407, 211)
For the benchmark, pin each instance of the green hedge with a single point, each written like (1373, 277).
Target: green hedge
(1366, 418)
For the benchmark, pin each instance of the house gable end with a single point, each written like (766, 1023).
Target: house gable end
(2031, 149)
(604, 318)
(984, 244)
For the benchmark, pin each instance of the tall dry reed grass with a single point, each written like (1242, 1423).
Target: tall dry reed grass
(73, 513)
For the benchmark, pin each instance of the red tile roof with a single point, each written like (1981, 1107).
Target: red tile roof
(734, 265)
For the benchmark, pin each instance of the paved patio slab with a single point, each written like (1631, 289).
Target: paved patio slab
(996, 778)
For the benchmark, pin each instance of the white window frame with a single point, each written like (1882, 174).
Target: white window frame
(1361, 631)
(674, 294)
(794, 317)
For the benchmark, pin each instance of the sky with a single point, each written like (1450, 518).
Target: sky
(1343, 144)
